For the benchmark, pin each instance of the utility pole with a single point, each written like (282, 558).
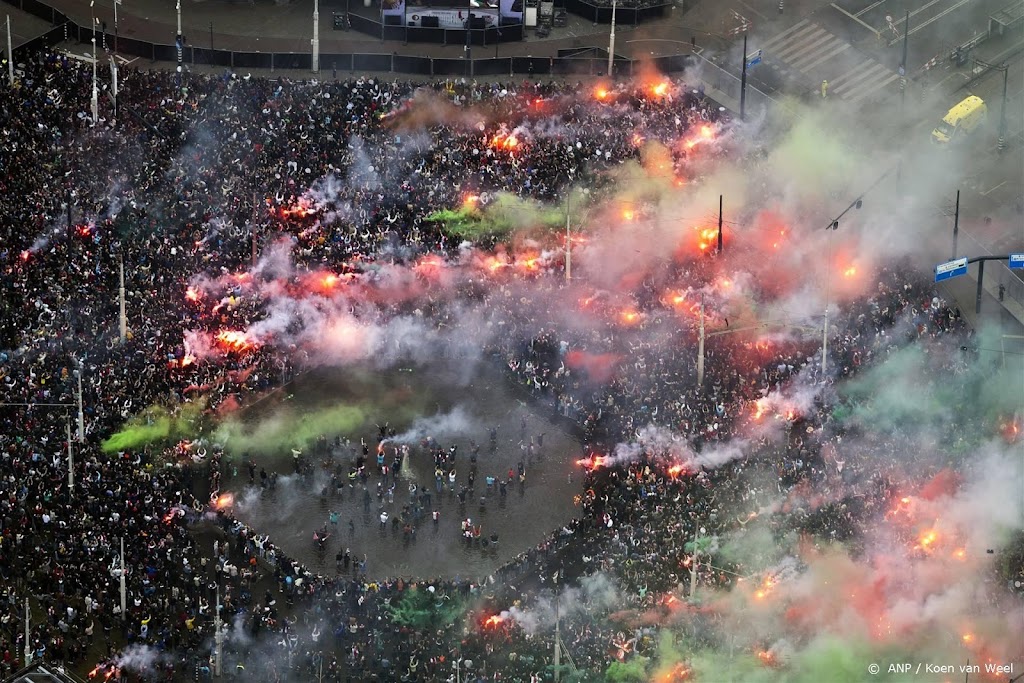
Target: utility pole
(700, 348)
(95, 83)
(743, 82)
(903, 62)
(124, 586)
(693, 564)
(568, 238)
(824, 346)
(10, 55)
(316, 36)
(179, 42)
(956, 224)
(720, 219)
(28, 636)
(1001, 142)
(218, 639)
(469, 45)
(558, 641)
(123, 326)
(116, 3)
(81, 408)
(113, 81)
(611, 40)
(71, 459)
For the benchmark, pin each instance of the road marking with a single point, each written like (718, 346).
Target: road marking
(851, 73)
(814, 39)
(869, 88)
(987, 192)
(827, 56)
(861, 78)
(859, 21)
(809, 56)
(796, 38)
(869, 8)
(751, 9)
(935, 18)
(772, 41)
(923, 8)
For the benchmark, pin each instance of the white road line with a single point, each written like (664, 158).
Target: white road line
(858, 20)
(828, 56)
(811, 56)
(869, 8)
(775, 39)
(935, 18)
(852, 72)
(860, 93)
(991, 190)
(850, 85)
(923, 8)
(796, 38)
(801, 49)
(752, 10)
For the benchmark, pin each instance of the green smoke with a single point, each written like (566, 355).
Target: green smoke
(505, 214)
(158, 425)
(290, 429)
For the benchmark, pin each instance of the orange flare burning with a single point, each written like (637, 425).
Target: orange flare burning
(677, 674)
(224, 500)
(506, 141)
(593, 462)
(675, 470)
(494, 621)
(193, 294)
(601, 94)
(233, 340)
(850, 272)
(767, 658)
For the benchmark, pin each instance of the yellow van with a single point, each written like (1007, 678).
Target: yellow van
(960, 120)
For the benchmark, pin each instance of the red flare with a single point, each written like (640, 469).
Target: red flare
(233, 340)
(594, 462)
(193, 294)
(494, 621)
(223, 501)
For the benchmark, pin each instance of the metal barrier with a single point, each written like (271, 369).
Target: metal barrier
(726, 83)
(392, 63)
(602, 13)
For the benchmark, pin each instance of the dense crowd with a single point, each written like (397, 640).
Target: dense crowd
(196, 178)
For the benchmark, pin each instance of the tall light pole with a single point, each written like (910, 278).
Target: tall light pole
(179, 42)
(700, 348)
(124, 586)
(316, 36)
(95, 83)
(116, 3)
(28, 636)
(568, 237)
(218, 639)
(693, 563)
(903, 63)
(81, 408)
(611, 40)
(113, 81)
(743, 82)
(123, 321)
(10, 54)
(71, 459)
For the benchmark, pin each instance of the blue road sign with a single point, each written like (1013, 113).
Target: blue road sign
(755, 58)
(951, 269)
(1017, 260)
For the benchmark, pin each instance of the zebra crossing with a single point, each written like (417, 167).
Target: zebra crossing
(820, 55)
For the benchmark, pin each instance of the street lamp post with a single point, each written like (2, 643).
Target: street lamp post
(179, 42)
(611, 40)
(116, 3)
(743, 82)
(903, 62)
(95, 84)
(316, 36)
(81, 410)
(71, 459)
(10, 54)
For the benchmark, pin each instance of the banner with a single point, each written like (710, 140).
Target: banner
(392, 8)
(452, 18)
(512, 9)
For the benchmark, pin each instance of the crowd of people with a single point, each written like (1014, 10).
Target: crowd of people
(196, 177)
